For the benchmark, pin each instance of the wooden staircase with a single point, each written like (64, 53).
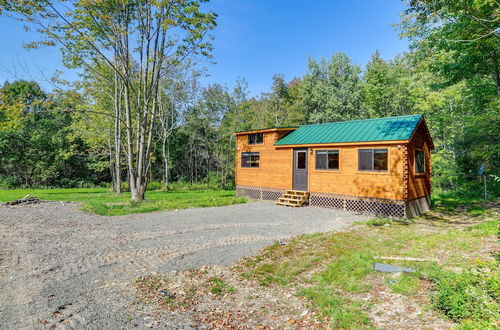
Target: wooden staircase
(293, 198)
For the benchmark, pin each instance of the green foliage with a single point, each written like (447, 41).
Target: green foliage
(331, 90)
(473, 295)
(390, 87)
(466, 198)
(455, 51)
(37, 150)
(461, 36)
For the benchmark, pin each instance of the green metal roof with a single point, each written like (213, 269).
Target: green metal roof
(367, 130)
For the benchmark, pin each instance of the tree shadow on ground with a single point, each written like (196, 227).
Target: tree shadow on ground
(463, 213)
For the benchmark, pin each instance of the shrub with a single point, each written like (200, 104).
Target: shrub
(471, 297)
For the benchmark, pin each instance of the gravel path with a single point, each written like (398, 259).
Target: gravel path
(63, 268)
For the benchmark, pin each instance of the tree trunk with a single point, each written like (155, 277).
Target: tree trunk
(117, 138)
(112, 165)
(166, 154)
(139, 191)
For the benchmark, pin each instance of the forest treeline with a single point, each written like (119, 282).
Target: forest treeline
(85, 135)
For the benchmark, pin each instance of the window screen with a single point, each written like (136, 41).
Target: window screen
(373, 160)
(327, 160)
(419, 161)
(250, 159)
(255, 138)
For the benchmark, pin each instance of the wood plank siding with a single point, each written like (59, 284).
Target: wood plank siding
(275, 169)
(349, 181)
(419, 185)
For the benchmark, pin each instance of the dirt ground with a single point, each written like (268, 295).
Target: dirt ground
(63, 268)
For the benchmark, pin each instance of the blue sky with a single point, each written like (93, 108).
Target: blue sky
(254, 39)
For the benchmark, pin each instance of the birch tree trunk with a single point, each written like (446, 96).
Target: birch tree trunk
(117, 135)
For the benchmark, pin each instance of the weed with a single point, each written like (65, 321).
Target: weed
(379, 221)
(219, 287)
(472, 295)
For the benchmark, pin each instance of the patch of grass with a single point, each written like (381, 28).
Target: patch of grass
(472, 296)
(102, 201)
(453, 202)
(285, 264)
(406, 283)
(330, 269)
(348, 271)
(219, 287)
(344, 313)
(379, 221)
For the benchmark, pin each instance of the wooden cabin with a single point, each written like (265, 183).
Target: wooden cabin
(379, 166)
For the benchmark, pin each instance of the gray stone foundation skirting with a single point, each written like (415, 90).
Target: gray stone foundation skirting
(368, 205)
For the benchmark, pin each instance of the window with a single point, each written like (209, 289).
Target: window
(372, 159)
(327, 160)
(250, 159)
(419, 161)
(302, 160)
(255, 138)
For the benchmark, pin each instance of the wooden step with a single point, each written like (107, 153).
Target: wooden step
(287, 200)
(287, 204)
(297, 192)
(293, 196)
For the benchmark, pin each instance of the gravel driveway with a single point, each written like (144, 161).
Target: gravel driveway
(64, 268)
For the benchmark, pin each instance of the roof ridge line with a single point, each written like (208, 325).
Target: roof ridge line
(359, 120)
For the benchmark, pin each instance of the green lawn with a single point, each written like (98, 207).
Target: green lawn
(104, 202)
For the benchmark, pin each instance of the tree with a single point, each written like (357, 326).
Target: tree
(98, 120)
(279, 100)
(37, 150)
(455, 51)
(462, 34)
(177, 94)
(390, 87)
(331, 90)
(140, 40)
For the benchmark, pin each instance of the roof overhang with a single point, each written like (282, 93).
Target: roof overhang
(267, 130)
(426, 129)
